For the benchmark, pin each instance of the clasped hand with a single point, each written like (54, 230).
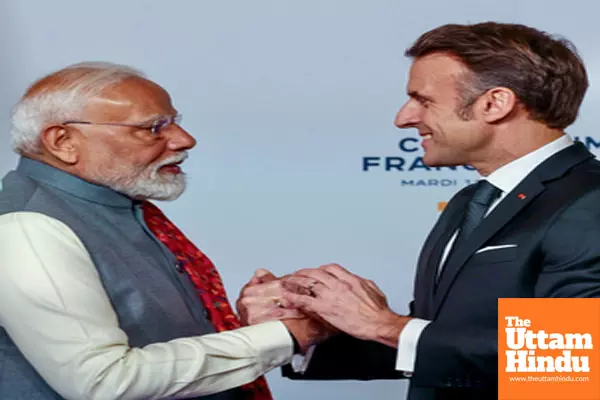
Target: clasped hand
(329, 295)
(262, 299)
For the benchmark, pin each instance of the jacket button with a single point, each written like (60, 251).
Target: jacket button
(179, 267)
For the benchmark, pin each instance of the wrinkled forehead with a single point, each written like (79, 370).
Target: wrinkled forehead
(133, 99)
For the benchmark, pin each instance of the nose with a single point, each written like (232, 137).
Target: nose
(179, 139)
(408, 116)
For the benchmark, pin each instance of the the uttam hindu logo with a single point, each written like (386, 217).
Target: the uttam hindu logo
(547, 349)
(524, 342)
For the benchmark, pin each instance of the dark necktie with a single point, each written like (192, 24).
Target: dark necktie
(482, 199)
(484, 196)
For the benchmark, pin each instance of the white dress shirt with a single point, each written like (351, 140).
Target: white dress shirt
(55, 309)
(506, 179)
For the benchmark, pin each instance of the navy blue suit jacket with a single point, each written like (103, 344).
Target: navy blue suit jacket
(554, 233)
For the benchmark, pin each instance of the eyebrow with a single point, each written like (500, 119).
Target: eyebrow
(418, 96)
(155, 117)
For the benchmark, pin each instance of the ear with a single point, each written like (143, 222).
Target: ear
(498, 103)
(62, 143)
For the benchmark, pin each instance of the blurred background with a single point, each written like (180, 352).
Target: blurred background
(292, 104)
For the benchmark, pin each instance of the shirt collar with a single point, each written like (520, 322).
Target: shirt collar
(61, 180)
(507, 177)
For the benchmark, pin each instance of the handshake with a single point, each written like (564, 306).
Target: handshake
(316, 304)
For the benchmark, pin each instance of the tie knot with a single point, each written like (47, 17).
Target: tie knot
(485, 193)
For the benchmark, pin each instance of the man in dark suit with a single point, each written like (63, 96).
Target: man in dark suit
(497, 97)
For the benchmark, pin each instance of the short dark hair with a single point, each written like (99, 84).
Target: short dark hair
(545, 72)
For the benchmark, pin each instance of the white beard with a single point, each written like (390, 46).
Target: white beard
(145, 183)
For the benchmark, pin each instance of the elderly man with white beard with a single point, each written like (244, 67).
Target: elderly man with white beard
(101, 296)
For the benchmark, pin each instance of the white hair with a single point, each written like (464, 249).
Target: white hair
(61, 96)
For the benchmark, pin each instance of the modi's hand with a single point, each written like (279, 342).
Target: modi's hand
(261, 299)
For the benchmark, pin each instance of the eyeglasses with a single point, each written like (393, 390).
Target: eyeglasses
(155, 126)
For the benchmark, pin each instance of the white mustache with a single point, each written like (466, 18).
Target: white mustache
(180, 157)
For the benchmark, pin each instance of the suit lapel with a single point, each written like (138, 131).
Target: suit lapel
(515, 201)
(432, 253)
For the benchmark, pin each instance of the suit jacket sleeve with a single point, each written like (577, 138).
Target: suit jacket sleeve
(345, 357)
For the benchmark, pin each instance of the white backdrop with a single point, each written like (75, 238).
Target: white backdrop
(286, 98)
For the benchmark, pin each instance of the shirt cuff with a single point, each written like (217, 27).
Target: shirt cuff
(407, 345)
(300, 361)
(273, 342)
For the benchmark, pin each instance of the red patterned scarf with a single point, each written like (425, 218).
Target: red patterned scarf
(206, 280)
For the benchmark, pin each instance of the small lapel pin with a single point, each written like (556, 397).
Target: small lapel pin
(521, 196)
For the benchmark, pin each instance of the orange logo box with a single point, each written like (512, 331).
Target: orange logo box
(549, 349)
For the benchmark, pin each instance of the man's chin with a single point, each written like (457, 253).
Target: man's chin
(159, 192)
(171, 197)
(433, 162)
(167, 195)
